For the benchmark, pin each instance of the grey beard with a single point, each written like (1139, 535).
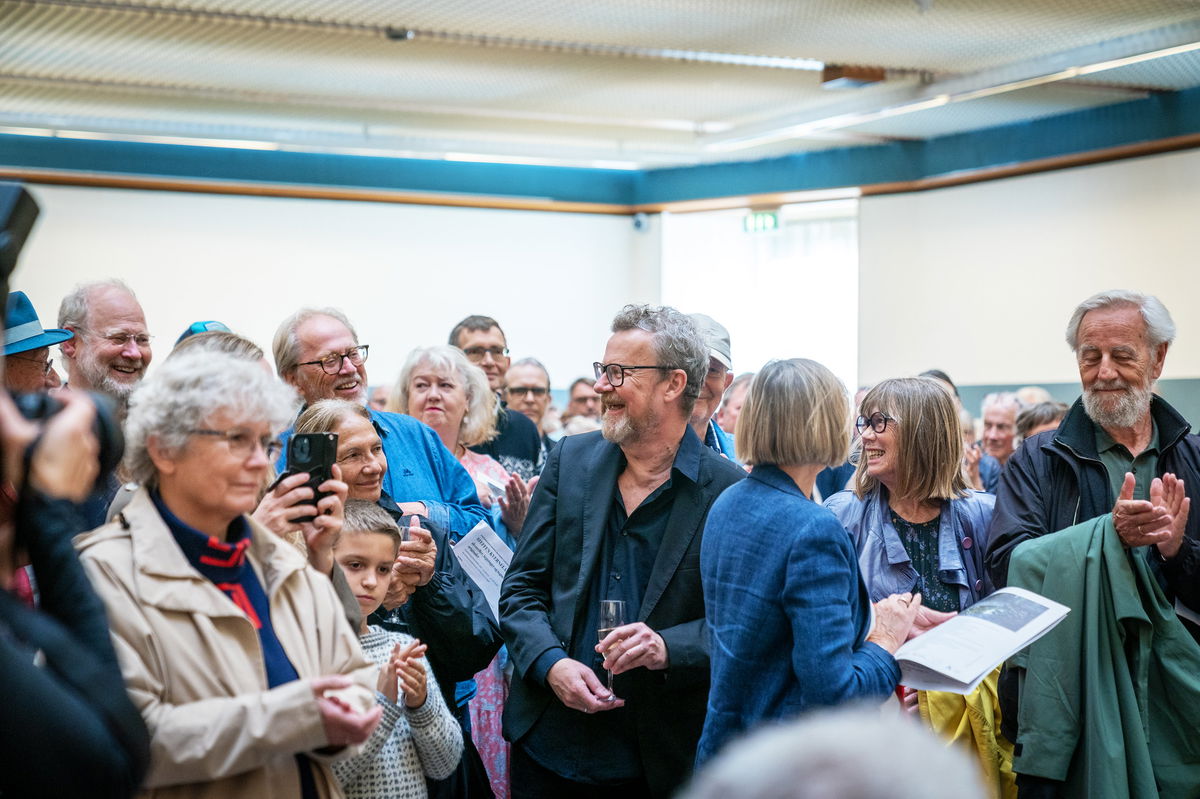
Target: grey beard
(618, 432)
(1126, 413)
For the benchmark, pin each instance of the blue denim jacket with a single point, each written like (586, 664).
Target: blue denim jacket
(886, 568)
(788, 615)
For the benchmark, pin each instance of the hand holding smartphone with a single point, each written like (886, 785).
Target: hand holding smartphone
(314, 453)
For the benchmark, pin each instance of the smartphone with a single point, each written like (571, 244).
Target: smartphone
(314, 453)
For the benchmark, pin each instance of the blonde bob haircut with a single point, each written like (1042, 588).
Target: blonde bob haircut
(928, 439)
(795, 413)
(479, 421)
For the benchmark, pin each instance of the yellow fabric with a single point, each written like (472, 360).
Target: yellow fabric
(973, 721)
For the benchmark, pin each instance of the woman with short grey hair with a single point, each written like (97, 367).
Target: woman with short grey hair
(207, 607)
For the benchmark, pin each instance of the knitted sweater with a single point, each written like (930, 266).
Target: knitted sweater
(409, 744)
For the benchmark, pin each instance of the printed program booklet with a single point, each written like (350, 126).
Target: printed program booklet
(955, 656)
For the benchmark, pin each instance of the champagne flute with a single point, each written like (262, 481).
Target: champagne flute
(612, 616)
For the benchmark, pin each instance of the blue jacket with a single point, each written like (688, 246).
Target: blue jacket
(886, 568)
(788, 615)
(421, 469)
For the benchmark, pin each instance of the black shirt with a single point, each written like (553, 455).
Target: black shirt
(517, 445)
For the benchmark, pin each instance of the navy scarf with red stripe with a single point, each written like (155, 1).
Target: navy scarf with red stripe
(225, 564)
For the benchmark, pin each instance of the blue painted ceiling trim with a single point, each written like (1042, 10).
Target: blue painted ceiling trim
(1157, 117)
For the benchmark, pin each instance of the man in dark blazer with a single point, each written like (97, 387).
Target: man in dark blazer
(618, 514)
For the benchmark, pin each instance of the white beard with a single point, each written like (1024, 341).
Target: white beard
(1124, 412)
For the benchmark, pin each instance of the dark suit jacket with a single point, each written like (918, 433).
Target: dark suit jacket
(555, 561)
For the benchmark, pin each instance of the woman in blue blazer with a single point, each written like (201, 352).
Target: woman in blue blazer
(790, 622)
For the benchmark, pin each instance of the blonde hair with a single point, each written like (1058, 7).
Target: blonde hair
(324, 416)
(928, 436)
(479, 422)
(795, 412)
(364, 516)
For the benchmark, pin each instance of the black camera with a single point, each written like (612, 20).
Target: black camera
(40, 407)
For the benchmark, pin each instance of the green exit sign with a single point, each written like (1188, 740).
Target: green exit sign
(760, 221)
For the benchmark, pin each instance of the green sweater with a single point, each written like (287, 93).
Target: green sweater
(1110, 698)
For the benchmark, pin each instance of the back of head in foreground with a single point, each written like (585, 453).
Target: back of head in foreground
(856, 753)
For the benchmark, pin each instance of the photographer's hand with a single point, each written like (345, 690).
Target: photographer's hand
(18, 433)
(66, 461)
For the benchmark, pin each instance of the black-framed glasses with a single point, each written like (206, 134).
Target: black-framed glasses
(615, 372)
(876, 421)
(331, 364)
(46, 365)
(521, 391)
(479, 353)
(241, 442)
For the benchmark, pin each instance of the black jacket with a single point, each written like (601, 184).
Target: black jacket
(1056, 479)
(547, 582)
(66, 728)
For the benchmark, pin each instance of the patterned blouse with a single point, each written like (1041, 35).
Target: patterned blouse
(921, 543)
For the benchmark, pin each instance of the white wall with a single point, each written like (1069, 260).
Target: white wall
(980, 280)
(404, 274)
(784, 293)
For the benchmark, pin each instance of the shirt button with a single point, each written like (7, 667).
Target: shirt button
(617, 577)
(979, 585)
(967, 543)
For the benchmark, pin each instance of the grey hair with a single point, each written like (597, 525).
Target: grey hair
(324, 416)
(677, 343)
(286, 345)
(1001, 399)
(533, 362)
(479, 423)
(192, 387)
(849, 753)
(73, 310)
(741, 380)
(1160, 328)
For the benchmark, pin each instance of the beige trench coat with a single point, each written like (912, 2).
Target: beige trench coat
(193, 664)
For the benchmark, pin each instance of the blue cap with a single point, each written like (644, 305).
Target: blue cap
(23, 330)
(202, 327)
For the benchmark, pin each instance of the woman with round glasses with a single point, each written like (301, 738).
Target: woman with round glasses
(236, 653)
(790, 622)
(918, 527)
(915, 523)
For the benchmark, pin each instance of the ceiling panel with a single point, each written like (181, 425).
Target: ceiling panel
(649, 81)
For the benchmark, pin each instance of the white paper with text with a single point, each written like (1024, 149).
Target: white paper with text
(955, 656)
(485, 558)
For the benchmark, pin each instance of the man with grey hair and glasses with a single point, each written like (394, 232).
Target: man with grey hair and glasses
(110, 350)
(617, 518)
(1124, 451)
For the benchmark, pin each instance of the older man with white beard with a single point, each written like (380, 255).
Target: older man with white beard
(111, 347)
(1120, 449)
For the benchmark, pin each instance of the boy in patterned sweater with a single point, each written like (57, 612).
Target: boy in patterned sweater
(417, 737)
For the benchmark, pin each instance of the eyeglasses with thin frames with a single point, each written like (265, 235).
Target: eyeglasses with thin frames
(479, 353)
(121, 339)
(615, 372)
(331, 364)
(242, 442)
(521, 391)
(46, 365)
(876, 421)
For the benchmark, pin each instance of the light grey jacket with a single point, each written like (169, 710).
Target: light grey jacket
(886, 568)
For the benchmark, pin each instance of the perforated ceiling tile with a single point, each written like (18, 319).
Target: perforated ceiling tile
(1004, 109)
(651, 78)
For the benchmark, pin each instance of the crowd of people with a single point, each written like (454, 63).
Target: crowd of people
(698, 561)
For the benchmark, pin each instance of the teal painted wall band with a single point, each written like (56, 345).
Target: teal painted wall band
(1160, 116)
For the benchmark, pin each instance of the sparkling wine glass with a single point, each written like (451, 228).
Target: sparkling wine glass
(612, 616)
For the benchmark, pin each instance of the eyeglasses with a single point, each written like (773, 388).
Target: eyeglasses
(121, 339)
(331, 364)
(876, 421)
(46, 365)
(520, 391)
(241, 442)
(615, 372)
(478, 353)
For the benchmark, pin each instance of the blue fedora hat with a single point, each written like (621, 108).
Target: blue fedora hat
(23, 330)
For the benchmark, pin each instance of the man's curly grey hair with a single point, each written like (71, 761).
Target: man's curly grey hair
(677, 343)
(194, 386)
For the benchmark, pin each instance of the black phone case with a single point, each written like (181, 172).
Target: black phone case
(314, 453)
